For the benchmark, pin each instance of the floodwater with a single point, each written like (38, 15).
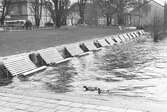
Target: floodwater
(132, 70)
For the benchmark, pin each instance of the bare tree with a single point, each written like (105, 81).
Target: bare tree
(111, 7)
(156, 28)
(58, 10)
(36, 9)
(5, 6)
(108, 9)
(82, 6)
(165, 16)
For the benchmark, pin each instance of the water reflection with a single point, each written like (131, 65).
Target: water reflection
(60, 78)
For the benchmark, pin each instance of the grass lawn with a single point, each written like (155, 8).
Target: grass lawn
(25, 41)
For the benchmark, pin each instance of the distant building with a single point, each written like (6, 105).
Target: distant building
(22, 10)
(145, 14)
(93, 15)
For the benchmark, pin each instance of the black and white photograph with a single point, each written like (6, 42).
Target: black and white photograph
(83, 55)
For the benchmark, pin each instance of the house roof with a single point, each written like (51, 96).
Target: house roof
(138, 7)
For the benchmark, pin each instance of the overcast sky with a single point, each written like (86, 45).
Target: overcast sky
(159, 1)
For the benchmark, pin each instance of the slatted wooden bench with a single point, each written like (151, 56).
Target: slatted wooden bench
(20, 65)
(133, 35)
(122, 38)
(75, 50)
(103, 43)
(51, 56)
(137, 34)
(117, 39)
(142, 32)
(90, 45)
(127, 37)
(110, 40)
(97, 44)
(4, 73)
(83, 47)
(105, 38)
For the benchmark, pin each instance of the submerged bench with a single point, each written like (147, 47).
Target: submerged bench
(4, 73)
(90, 45)
(103, 42)
(20, 65)
(51, 56)
(122, 38)
(110, 40)
(117, 39)
(126, 37)
(74, 50)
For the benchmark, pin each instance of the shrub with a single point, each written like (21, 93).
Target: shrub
(49, 24)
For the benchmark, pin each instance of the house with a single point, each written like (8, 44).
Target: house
(23, 10)
(73, 15)
(94, 15)
(145, 14)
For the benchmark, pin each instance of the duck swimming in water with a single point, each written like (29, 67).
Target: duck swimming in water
(90, 88)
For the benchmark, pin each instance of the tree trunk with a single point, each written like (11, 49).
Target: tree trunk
(82, 17)
(82, 4)
(3, 16)
(108, 20)
(58, 20)
(4, 11)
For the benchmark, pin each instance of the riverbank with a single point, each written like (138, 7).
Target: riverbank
(19, 42)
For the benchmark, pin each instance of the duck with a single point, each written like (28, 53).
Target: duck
(100, 91)
(90, 88)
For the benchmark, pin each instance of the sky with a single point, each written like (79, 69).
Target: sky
(159, 1)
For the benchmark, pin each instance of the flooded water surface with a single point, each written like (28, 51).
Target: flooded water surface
(132, 70)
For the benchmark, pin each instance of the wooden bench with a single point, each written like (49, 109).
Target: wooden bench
(117, 39)
(103, 43)
(51, 56)
(133, 35)
(126, 37)
(19, 64)
(91, 46)
(4, 73)
(122, 38)
(142, 32)
(137, 34)
(110, 40)
(83, 47)
(97, 44)
(75, 50)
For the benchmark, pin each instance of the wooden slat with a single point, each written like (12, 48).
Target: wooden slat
(136, 33)
(130, 36)
(134, 36)
(90, 45)
(18, 65)
(51, 55)
(142, 32)
(117, 39)
(126, 37)
(122, 38)
(110, 40)
(103, 43)
(74, 49)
